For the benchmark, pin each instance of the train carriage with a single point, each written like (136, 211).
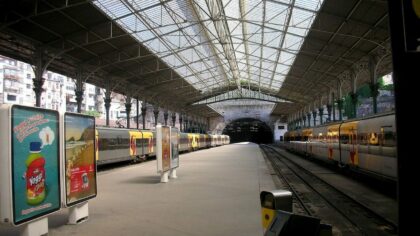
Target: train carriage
(119, 144)
(113, 145)
(367, 145)
(184, 143)
(377, 146)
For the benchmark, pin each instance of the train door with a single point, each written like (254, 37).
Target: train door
(133, 148)
(348, 144)
(307, 141)
(135, 143)
(332, 142)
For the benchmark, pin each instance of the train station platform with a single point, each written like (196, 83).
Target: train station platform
(216, 193)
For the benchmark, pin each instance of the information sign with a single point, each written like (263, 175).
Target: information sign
(35, 162)
(80, 161)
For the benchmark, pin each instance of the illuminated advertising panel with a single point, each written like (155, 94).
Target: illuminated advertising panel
(166, 148)
(163, 148)
(35, 162)
(411, 24)
(174, 148)
(80, 160)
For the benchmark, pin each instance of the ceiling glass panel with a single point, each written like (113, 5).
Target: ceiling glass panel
(218, 42)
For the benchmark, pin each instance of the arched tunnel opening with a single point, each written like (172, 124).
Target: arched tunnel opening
(248, 130)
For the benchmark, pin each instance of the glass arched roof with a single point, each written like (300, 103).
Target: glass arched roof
(216, 43)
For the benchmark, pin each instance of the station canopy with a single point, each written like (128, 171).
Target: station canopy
(215, 45)
(186, 54)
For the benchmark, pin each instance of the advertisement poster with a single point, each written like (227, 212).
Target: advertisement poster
(411, 17)
(174, 148)
(35, 163)
(80, 161)
(166, 148)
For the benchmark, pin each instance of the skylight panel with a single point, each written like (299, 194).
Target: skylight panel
(299, 16)
(169, 27)
(298, 30)
(267, 51)
(308, 4)
(292, 42)
(268, 65)
(271, 37)
(282, 69)
(114, 8)
(142, 4)
(278, 78)
(283, 1)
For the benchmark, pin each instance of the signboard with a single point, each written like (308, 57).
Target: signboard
(35, 162)
(174, 148)
(163, 148)
(80, 159)
(411, 21)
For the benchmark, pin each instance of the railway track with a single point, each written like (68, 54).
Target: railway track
(315, 197)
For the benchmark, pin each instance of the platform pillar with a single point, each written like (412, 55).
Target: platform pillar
(166, 116)
(39, 68)
(137, 113)
(321, 114)
(314, 117)
(128, 110)
(309, 119)
(180, 122)
(79, 90)
(340, 109)
(329, 107)
(156, 113)
(143, 114)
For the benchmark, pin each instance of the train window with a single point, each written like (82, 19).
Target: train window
(388, 137)
(344, 139)
(353, 139)
(362, 139)
(140, 142)
(373, 139)
(124, 141)
(103, 144)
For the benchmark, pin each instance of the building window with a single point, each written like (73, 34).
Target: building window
(28, 86)
(28, 76)
(280, 127)
(11, 97)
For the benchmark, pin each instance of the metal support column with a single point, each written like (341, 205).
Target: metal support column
(143, 114)
(156, 113)
(166, 116)
(314, 117)
(137, 113)
(173, 118)
(340, 109)
(128, 110)
(321, 114)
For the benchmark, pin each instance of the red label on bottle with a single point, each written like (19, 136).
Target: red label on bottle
(35, 178)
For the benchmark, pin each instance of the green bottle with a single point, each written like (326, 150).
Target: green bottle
(35, 175)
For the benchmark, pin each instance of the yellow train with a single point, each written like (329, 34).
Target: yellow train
(366, 145)
(118, 144)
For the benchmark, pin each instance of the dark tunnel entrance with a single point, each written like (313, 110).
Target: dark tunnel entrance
(248, 130)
